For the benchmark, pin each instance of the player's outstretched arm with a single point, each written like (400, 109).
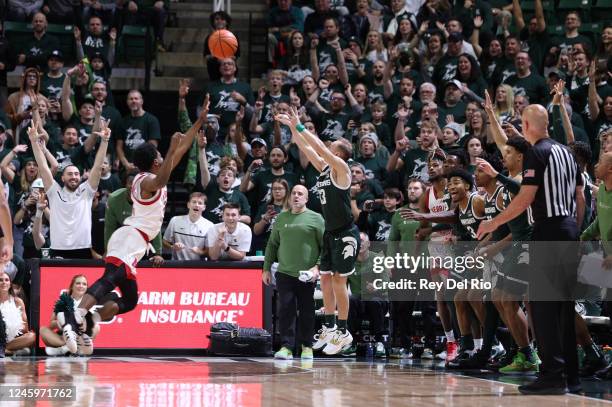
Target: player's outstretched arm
(155, 182)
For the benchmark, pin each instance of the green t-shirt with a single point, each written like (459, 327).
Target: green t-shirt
(309, 177)
(446, 69)
(263, 184)
(137, 130)
(534, 86)
(333, 126)
(51, 88)
(217, 198)
(602, 225)
(564, 43)
(376, 167)
(363, 63)
(222, 104)
(379, 225)
(363, 271)
(295, 242)
(415, 164)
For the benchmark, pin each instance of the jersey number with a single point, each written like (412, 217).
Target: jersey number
(322, 196)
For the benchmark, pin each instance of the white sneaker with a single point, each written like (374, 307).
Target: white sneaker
(22, 352)
(338, 343)
(322, 337)
(427, 354)
(71, 338)
(441, 355)
(50, 351)
(84, 345)
(380, 351)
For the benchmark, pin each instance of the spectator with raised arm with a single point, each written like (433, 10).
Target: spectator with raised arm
(71, 205)
(96, 40)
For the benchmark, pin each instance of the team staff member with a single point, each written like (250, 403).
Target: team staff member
(552, 185)
(295, 243)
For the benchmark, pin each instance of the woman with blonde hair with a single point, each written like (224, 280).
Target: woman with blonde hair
(375, 49)
(504, 103)
(56, 344)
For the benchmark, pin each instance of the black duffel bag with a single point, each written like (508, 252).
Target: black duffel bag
(228, 339)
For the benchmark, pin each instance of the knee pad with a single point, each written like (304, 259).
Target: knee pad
(128, 301)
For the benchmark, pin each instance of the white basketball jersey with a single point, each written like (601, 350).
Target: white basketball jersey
(437, 205)
(147, 214)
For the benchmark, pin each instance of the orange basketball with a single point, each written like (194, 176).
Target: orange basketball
(222, 44)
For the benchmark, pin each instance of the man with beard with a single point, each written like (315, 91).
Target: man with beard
(452, 104)
(136, 128)
(70, 223)
(376, 85)
(259, 179)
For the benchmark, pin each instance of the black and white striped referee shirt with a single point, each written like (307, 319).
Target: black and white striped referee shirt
(551, 167)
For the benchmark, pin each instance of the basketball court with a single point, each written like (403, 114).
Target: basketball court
(204, 381)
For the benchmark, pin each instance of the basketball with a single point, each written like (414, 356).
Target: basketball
(222, 44)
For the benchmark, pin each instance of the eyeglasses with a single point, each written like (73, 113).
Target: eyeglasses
(337, 98)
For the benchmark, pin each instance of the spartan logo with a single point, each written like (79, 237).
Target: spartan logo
(351, 247)
(507, 74)
(226, 102)
(133, 138)
(333, 130)
(325, 59)
(450, 71)
(54, 91)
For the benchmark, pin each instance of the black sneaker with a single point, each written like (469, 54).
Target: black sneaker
(605, 373)
(477, 361)
(573, 385)
(545, 386)
(591, 366)
(462, 354)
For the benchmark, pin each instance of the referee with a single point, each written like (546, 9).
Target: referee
(552, 185)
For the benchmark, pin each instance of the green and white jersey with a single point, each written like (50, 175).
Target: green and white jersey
(335, 202)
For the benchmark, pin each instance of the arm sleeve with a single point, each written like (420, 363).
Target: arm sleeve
(184, 120)
(512, 185)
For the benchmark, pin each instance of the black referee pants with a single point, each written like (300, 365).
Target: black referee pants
(554, 262)
(295, 297)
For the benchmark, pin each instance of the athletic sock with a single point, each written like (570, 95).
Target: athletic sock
(450, 336)
(330, 320)
(478, 343)
(528, 352)
(467, 342)
(342, 325)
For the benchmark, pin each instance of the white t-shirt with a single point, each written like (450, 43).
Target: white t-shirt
(191, 234)
(239, 240)
(70, 221)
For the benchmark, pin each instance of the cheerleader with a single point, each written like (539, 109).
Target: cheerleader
(14, 320)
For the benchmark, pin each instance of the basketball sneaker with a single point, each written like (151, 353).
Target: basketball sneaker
(338, 342)
(400, 353)
(85, 345)
(380, 351)
(70, 337)
(306, 353)
(520, 366)
(322, 337)
(451, 351)
(61, 351)
(427, 354)
(283, 353)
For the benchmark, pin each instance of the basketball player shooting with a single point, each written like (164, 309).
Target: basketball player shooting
(341, 237)
(128, 244)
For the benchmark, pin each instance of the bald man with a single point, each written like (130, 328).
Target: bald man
(295, 243)
(553, 186)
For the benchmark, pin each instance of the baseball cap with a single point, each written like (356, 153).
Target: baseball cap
(38, 183)
(456, 127)
(57, 54)
(260, 141)
(455, 37)
(355, 40)
(453, 82)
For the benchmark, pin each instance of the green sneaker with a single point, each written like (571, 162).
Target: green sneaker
(306, 352)
(284, 353)
(520, 366)
(349, 352)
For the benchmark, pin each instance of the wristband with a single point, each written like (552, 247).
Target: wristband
(300, 127)
(39, 213)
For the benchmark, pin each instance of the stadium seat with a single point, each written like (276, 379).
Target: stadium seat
(133, 42)
(65, 35)
(555, 30)
(17, 33)
(602, 10)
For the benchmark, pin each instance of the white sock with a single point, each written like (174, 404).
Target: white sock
(478, 344)
(450, 336)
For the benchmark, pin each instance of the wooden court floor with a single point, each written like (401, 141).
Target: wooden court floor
(180, 381)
